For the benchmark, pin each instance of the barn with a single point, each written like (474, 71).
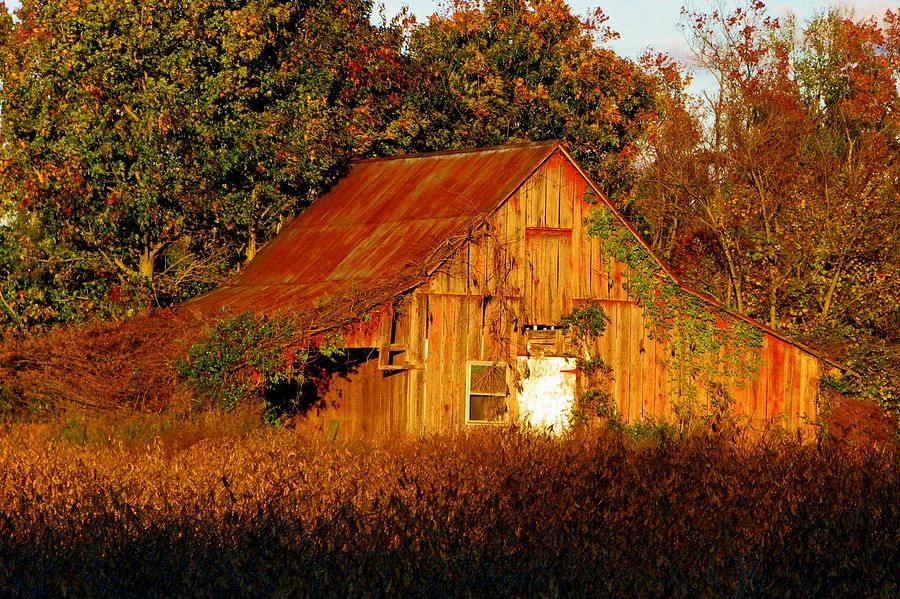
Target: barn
(499, 285)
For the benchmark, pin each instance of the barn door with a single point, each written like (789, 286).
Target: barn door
(547, 289)
(547, 393)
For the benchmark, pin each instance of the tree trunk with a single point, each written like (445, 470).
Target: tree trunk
(250, 251)
(145, 264)
(832, 287)
(734, 277)
(773, 307)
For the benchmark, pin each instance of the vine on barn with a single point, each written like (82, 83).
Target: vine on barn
(709, 348)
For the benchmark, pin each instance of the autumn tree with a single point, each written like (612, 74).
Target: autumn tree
(778, 190)
(293, 92)
(519, 70)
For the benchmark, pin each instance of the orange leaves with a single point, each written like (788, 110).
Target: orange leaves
(765, 190)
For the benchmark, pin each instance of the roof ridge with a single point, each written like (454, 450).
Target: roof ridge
(518, 145)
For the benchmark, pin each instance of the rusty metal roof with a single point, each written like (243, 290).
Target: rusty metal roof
(384, 221)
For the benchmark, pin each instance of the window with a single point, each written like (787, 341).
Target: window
(486, 392)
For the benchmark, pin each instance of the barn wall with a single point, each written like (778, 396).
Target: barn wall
(536, 265)
(556, 266)
(365, 401)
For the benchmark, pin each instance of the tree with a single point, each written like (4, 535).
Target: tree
(161, 142)
(780, 189)
(518, 70)
(294, 91)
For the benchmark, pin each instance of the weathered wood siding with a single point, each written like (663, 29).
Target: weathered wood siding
(534, 266)
(366, 402)
(557, 265)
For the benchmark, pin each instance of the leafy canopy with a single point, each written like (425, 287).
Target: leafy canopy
(522, 70)
(157, 144)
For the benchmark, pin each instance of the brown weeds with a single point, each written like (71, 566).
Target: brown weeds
(497, 513)
(106, 366)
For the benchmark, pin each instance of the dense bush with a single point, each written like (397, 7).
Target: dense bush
(499, 513)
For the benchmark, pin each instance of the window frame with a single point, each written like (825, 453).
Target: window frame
(506, 372)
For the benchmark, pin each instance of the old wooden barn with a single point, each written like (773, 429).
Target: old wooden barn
(469, 262)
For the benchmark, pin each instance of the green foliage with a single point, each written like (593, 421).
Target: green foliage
(152, 146)
(599, 402)
(501, 70)
(587, 320)
(585, 324)
(872, 363)
(243, 356)
(240, 356)
(708, 346)
(43, 282)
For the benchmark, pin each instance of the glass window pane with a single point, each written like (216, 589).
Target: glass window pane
(486, 408)
(488, 379)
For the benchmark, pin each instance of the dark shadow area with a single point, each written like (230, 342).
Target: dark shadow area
(293, 397)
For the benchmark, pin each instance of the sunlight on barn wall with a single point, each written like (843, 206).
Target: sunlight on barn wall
(547, 394)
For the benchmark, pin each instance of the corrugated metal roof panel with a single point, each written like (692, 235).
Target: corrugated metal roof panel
(381, 222)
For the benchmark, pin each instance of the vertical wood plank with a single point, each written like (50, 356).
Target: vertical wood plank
(455, 336)
(776, 377)
(525, 194)
(787, 405)
(468, 328)
(581, 260)
(617, 280)
(814, 373)
(569, 200)
(434, 365)
(620, 382)
(662, 376)
(530, 282)
(536, 194)
(648, 371)
(635, 372)
(515, 240)
(416, 351)
(669, 385)
(803, 381)
(792, 387)
(478, 266)
(551, 266)
(599, 282)
(565, 276)
(449, 374)
(472, 313)
(760, 410)
(552, 191)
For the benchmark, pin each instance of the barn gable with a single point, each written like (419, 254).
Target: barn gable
(483, 252)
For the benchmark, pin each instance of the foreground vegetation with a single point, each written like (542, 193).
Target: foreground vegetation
(170, 510)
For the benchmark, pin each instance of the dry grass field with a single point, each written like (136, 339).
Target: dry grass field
(212, 511)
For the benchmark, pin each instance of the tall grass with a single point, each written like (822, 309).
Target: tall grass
(492, 513)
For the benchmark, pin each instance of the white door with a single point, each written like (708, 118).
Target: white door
(548, 392)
